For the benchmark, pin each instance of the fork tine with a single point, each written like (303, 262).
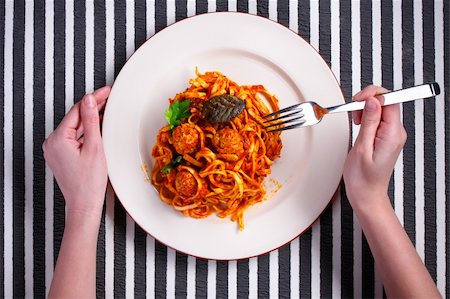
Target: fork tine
(287, 109)
(286, 121)
(301, 122)
(284, 116)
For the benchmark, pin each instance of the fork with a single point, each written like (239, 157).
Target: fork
(310, 113)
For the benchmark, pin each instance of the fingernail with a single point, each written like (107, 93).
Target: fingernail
(89, 100)
(370, 106)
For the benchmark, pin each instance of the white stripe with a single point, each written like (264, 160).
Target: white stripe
(49, 182)
(232, 5)
(129, 240)
(170, 287)
(315, 260)
(314, 24)
(109, 243)
(28, 101)
(212, 7)
(273, 10)
(129, 258)
(150, 269)
(69, 59)
(418, 75)
(356, 86)
(252, 7)
(8, 146)
(212, 271)
(150, 15)
(293, 15)
(376, 42)
(191, 8)
(273, 274)
(253, 278)
(89, 50)
(295, 268)
(315, 230)
(109, 63)
(335, 65)
(232, 279)
(397, 71)
(440, 150)
(171, 15)
(191, 287)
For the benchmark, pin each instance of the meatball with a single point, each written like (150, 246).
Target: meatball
(185, 139)
(185, 184)
(228, 141)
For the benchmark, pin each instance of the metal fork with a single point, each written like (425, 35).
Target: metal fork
(311, 113)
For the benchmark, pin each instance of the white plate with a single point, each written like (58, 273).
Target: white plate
(249, 50)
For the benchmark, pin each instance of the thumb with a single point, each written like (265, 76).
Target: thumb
(370, 121)
(90, 121)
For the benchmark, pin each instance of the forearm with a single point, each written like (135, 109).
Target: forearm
(402, 271)
(75, 271)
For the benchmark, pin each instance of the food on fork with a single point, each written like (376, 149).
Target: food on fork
(214, 153)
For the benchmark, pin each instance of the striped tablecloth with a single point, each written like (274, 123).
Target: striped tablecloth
(53, 52)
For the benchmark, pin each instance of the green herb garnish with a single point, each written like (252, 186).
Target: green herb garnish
(177, 111)
(172, 164)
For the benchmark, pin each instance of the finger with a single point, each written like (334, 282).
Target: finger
(72, 118)
(370, 121)
(391, 114)
(101, 95)
(369, 91)
(356, 116)
(90, 122)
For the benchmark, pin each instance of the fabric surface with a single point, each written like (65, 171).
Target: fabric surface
(53, 52)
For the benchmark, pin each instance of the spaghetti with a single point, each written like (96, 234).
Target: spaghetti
(203, 168)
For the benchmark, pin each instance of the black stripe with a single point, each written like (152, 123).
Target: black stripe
(79, 49)
(367, 262)
(201, 6)
(38, 139)
(447, 143)
(59, 110)
(326, 219)
(140, 266)
(242, 5)
(160, 16)
(119, 212)
(262, 8)
(283, 12)
(2, 146)
(160, 270)
(305, 239)
(18, 152)
(140, 23)
(387, 61)
(180, 9)
(181, 275)
(222, 280)
(303, 11)
(243, 284)
(263, 276)
(201, 277)
(409, 121)
(345, 45)
(429, 140)
(140, 236)
(284, 271)
(222, 5)
(99, 81)
(305, 264)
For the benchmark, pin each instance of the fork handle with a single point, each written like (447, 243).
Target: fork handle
(393, 97)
